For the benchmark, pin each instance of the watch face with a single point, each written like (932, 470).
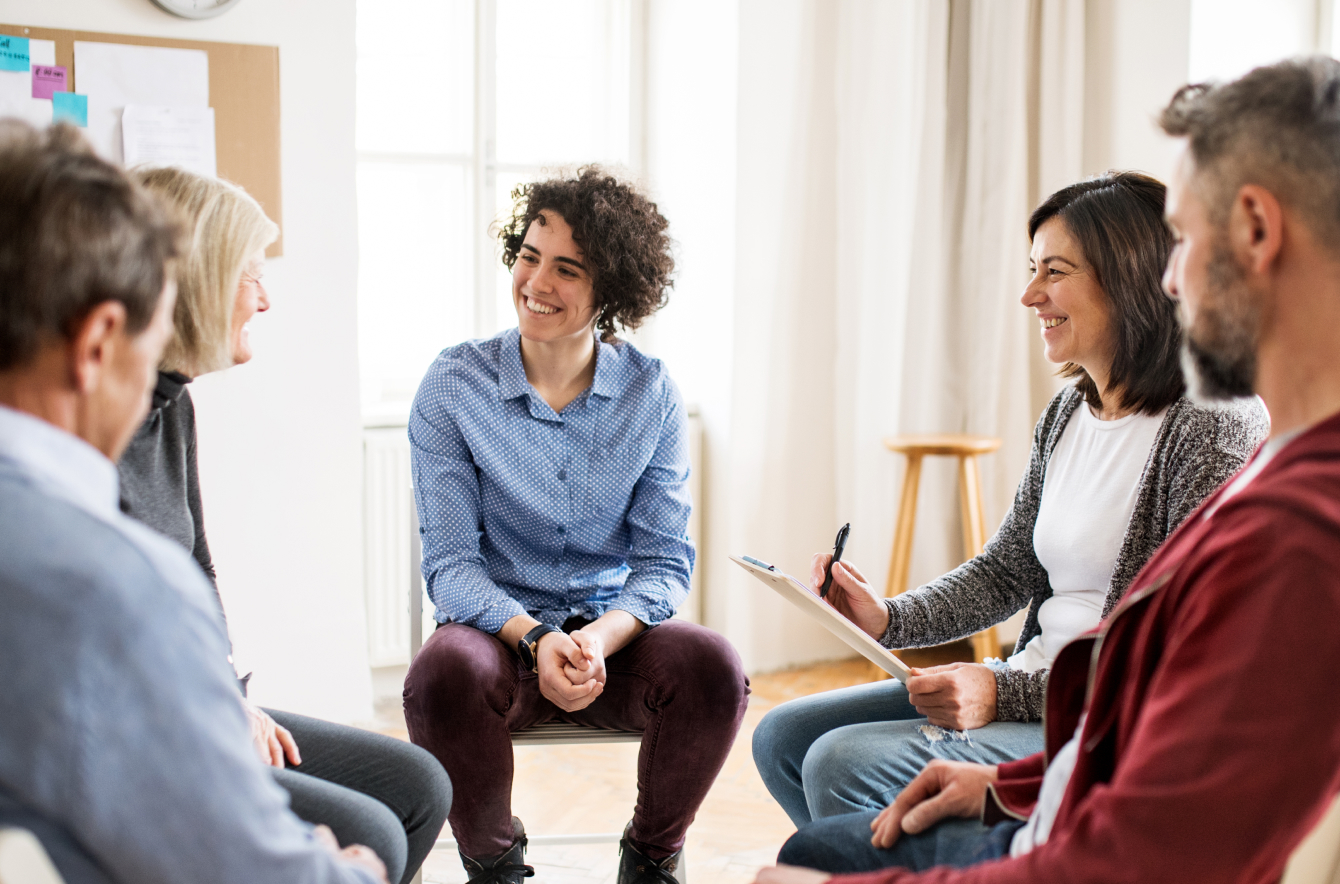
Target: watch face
(196, 8)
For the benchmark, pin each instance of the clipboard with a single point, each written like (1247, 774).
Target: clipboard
(802, 597)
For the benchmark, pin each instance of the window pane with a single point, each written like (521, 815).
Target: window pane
(563, 81)
(414, 277)
(1230, 37)
(415, 76)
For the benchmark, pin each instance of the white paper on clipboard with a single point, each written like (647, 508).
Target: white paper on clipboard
(800, 595)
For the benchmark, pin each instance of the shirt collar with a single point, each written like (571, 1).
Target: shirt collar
(608, 384)
(60, 461)
(610, 380)
(511, 374)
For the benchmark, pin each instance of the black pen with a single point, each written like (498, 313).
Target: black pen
(838, 546)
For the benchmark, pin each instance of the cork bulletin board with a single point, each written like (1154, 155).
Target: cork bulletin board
(244, 92)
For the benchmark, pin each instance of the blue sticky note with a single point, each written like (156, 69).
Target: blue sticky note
(14, 54)
(69, 106)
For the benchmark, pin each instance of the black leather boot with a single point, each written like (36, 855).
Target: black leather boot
(637, 868)
(507, 867)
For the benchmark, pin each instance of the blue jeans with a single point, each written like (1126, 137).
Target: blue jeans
(841, 844)
(855, 749)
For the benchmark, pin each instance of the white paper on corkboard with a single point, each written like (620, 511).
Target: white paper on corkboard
(114, 75)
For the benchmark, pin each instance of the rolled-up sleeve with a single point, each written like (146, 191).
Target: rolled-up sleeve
(661, 555)
(446, 493)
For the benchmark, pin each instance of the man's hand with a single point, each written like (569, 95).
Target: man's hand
(593, 652)
(790, 875)
(943, 789)
(273, 743)
(355, 854)
(851, 595)
(557, 654)
(959, 696)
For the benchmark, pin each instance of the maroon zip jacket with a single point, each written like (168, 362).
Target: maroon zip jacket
(1212, 744)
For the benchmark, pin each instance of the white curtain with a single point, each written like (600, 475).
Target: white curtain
(890, 153)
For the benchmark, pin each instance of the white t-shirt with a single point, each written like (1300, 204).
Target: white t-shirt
(1088, 496)
(1057, 778)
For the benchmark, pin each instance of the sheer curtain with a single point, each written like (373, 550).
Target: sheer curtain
(890, 153)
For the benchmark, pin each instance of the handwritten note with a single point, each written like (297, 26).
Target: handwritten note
(14, 54)
(16, 87)
(170, 136)
(70, 106)
(47, 80)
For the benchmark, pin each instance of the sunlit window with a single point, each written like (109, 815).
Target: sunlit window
(1230, 37)
(444, 134)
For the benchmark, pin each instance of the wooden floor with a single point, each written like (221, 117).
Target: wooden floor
(584, 789)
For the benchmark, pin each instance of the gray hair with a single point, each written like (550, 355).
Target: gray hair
(75, 232)
(1278, 127)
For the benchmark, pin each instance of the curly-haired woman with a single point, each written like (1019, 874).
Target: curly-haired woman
(550, 472)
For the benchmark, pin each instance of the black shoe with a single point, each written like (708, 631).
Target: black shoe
(637, 868)
(505, 868)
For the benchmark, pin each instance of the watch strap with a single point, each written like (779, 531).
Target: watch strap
(527, 647)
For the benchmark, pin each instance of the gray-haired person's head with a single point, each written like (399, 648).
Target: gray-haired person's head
(75, 231)
(1277, 127)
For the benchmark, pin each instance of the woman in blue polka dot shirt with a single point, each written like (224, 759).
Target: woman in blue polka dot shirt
(550, 473)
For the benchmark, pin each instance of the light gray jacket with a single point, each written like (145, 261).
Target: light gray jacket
(1197, 449)
(123, 744)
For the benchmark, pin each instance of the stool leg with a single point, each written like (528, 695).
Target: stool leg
(985, 643)
(901, 557)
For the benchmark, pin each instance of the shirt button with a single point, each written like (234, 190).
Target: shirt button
(561, 530)
(562, 474)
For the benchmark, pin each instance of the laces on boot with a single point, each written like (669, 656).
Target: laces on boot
(648, 872)
(635, 867)
(505, 868)
(501, 873)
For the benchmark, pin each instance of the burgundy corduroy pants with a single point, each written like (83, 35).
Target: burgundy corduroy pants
(680, 685)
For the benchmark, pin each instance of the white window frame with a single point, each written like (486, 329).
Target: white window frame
(484, 167)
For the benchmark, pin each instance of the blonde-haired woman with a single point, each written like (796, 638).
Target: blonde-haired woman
(369, 789)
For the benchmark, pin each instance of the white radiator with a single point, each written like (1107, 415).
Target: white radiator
(387, 502)
(390, 555)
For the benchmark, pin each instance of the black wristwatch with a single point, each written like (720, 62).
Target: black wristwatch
(526, 648)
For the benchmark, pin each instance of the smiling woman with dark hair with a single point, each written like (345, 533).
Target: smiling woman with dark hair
(551, 477)
(1119, 459)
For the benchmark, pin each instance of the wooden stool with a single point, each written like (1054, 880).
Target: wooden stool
(967, 449)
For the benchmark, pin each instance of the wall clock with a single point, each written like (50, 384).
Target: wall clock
(196, 8)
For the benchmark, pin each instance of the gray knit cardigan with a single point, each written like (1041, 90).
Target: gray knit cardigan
(1197, 449)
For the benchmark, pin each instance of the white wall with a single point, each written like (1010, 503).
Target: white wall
(280, 454)
(721, 135)
(1136, 57)
(691, 150)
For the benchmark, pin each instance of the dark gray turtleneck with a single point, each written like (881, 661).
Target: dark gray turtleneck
(159, 483)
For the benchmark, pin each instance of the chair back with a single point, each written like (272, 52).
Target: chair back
(23, 861)
(1317, 859)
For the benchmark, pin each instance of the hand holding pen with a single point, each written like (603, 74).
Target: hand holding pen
(850, 593)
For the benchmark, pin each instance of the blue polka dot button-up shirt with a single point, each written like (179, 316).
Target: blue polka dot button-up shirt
(524, 510)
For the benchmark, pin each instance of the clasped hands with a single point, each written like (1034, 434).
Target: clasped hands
(572, 668)
(958, 696)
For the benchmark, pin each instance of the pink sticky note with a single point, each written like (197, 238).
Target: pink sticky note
(47, 80)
